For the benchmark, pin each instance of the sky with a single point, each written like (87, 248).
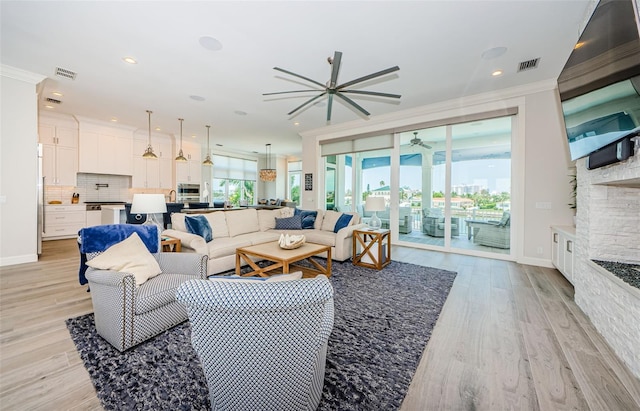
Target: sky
(492, 174)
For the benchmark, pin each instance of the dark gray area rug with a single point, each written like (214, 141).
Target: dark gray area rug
(383, 321)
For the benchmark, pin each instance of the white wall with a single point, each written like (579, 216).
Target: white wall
(540, 161)
(546, 177)
(18, 166)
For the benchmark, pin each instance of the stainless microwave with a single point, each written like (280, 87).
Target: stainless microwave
(188, 193)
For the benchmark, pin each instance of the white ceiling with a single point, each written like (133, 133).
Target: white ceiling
(438, 46)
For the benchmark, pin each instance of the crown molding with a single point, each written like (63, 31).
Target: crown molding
(21, 75)
(456, 107)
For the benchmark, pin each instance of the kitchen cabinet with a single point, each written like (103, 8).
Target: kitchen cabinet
(562, 249)
(105, 149)
(190, 171)
(152, 173)
(63, 221)
(59, 154)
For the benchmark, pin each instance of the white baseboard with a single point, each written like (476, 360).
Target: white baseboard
(20, 259)
(539, 262)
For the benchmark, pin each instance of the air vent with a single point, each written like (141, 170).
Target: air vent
(52, 100)
(529, 64)
(60, 72)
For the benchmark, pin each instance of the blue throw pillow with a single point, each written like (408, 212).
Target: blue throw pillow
(289, 223)
(342, 222)
(199, 225)
(308, 217)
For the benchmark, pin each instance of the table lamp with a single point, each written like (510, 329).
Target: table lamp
(374, 204)
(149, 204)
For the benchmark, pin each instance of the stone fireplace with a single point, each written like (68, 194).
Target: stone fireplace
(608, 229)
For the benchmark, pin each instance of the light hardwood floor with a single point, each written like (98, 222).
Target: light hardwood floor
(509, 337)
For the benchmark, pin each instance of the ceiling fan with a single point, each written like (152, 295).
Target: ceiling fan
(332, 88)
(415, 141)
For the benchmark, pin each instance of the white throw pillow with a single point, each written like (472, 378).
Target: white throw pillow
(128, 256)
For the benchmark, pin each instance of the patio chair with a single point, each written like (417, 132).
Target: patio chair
(492, 233)
(433, 223)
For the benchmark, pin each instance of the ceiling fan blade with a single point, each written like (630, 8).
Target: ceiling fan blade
(287, 92)
(306, 102)
(353, 103)
(329, 104)
(371, 93)
(299, 76)
(335, 67)
(369, 77)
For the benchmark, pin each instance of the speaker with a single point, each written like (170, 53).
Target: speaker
(610, 154)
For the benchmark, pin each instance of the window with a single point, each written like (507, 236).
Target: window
(295, 180)
(234, 180)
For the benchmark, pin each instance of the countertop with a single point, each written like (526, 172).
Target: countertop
(211, 209)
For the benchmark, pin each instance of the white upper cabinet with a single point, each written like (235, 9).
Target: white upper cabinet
(153, 173)
(105, 148)
(59, 139)
(191, 170)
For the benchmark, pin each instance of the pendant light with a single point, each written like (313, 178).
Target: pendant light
(148, 153)
(268, 173)
(181, 156)
(207, 161)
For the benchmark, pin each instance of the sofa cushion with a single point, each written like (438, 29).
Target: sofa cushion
(261, 237)
(218, 223)
(289, 223)
(242, 221)
(267, 219)
(159, 291)
(319, 237)
(177, 222)
(330, 219)
(223, 247)
(319, 219)
(128, 256)
(199, 225)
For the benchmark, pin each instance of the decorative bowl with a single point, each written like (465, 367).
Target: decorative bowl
(291, 242)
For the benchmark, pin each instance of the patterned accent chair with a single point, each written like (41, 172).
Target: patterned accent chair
(262, 345)
(126, 314)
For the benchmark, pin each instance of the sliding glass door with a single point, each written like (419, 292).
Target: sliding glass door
(455, 184)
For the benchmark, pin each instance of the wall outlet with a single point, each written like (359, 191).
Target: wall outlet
(539, 250)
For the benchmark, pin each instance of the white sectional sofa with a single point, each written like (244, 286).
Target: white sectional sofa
(241, 228)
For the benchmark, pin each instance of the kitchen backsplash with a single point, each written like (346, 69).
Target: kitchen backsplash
(97, 187)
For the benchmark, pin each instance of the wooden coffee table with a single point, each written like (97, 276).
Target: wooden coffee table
(283, 259)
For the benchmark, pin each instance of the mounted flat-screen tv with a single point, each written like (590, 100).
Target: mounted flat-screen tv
(600, 84)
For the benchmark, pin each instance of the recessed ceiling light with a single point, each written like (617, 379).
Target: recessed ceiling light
(218, 144)
(129, 60)
(296, 123)
(493, 53)
(240, 112)
(158, 129)
(114, 119)
(193, 136)
(496, 73)
(210, 43)
(197, 98)
(57, 93)
(579, 44)
(48, 106)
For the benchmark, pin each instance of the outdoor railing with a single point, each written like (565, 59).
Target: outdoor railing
(463, 215)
